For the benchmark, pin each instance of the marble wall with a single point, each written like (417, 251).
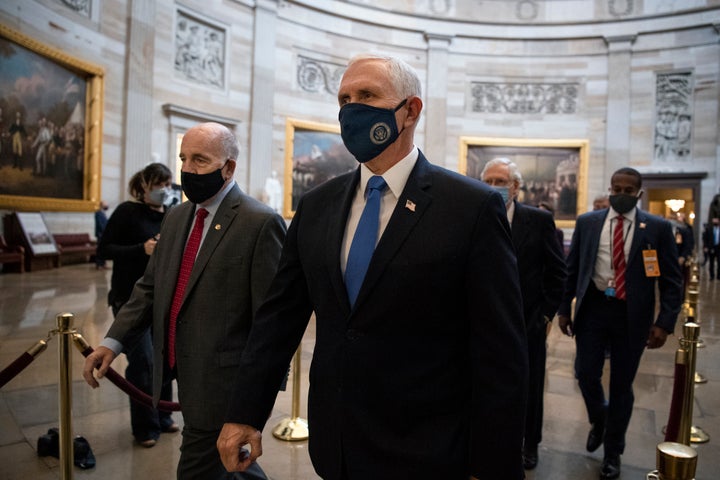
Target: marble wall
(277, 59)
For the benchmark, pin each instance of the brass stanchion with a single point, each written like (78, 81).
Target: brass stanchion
(65, 331)
(689, 433)
(293, 428)
(674, 461)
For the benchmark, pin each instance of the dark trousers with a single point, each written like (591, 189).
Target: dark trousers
(604, 325)
(200, 459)
(146, 422)
(537, 353)
(714, 260)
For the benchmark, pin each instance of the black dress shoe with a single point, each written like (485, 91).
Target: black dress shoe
(530, 458)
(595, 437)
(610, 467)
(84, 457)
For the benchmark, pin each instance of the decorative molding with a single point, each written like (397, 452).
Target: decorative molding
(526, 10)
(548, 98)
(615, 7)
(197, 116)
(674, 117)
(316, 76)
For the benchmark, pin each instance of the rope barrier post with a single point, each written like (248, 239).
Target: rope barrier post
(689, 433)
(293, 429)
(674, 461)
(65, 332)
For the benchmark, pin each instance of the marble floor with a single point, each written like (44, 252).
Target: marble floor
(30, 302)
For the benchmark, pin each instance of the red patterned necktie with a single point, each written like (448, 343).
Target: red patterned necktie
(191, 249)
(619, 258)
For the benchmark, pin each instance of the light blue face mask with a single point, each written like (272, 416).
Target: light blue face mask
(504, 192)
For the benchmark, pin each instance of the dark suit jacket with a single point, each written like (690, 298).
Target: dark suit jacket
(425, 376)
(541, 264)
(649, 231)
(230, 277)
(709, 237)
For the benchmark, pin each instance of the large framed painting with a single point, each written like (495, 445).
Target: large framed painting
(314, 153)
(50, 127)
(553, 170)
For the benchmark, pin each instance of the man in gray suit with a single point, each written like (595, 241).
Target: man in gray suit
(211, 268)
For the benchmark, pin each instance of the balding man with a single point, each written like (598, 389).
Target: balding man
(210, 269)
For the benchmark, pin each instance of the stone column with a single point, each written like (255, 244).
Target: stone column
(260, 141)
(435, 110)
(716, 184)
(139, 90)
(617, 122)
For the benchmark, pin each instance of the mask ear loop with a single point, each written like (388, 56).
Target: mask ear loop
(400, 105)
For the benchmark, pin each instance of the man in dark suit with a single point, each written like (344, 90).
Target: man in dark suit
(541, 264)
(200, 329)
(711, 245)
(617, 258)
(420, 370)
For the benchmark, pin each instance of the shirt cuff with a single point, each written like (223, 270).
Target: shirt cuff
(113, 345)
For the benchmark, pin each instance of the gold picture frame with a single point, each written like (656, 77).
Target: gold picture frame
(314, 153)
(553, 170)
(45, 92)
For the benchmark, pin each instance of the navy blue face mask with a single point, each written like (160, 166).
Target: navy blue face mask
(367, 131)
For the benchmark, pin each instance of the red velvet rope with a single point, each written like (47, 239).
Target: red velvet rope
(672, 431)
(134, 392)
(14, 368)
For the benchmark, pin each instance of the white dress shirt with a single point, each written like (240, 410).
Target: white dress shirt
(604, 271)
(396, 178)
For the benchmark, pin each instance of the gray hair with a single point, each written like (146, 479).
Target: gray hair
(515, 174)
(403, 77)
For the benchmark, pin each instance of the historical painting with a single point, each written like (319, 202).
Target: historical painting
(674, 117)
(200, 48)
(50, 127)
(314, 153)
(553, 171)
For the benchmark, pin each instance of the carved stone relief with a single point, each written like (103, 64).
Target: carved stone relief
(80, 6)
(674, 117)
(199, 51)
(319, 76)
(548, 98)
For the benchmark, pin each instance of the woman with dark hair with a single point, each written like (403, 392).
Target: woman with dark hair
(129, 240)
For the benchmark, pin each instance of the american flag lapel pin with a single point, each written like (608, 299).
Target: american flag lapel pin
(642, 225)
(410, 205)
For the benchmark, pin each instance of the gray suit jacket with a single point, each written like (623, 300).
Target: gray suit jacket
(230, 277)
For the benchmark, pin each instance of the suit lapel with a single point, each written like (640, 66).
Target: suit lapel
(638, 235)
(519, 226)
(342, 196)
(596, 225)
(170, 269)
(411, 206)
(225, 215)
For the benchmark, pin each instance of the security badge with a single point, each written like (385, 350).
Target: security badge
(652, 267)
(610, 290)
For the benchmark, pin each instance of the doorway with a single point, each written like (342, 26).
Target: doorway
(670, 195)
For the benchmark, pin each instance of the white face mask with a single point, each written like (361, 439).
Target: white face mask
(158, 195)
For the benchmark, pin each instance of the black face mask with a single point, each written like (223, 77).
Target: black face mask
(623, 203)
(200, 187)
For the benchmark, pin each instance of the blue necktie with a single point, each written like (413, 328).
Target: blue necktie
(363, 244)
